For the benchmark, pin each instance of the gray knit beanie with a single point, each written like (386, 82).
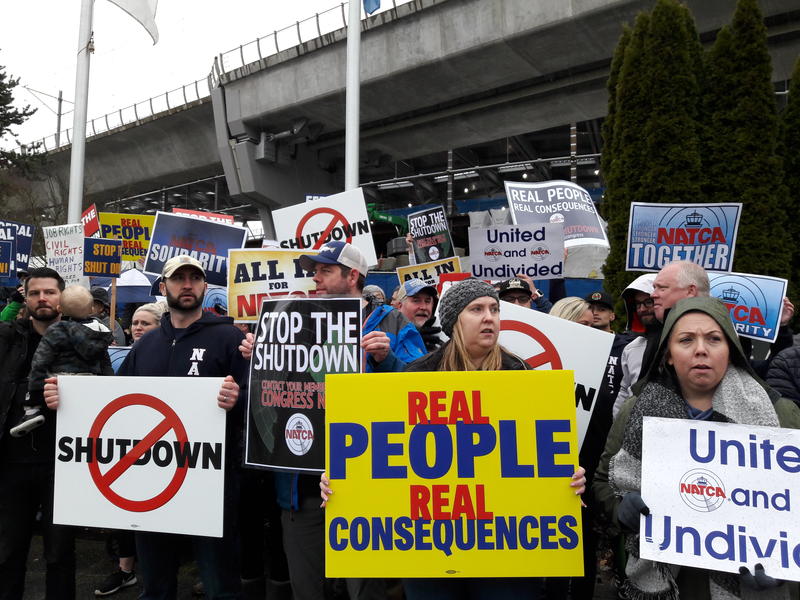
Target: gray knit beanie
(458, 297)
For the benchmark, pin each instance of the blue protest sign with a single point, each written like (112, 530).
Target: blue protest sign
(6, 262)
(22, 236)
(754, 301)
(102, 258)
(701, 233)
(206, 241)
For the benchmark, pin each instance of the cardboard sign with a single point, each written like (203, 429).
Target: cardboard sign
(6, 260)
(546, 342)
(255, 275)
(133, 230)
(755, 302)
(206, 241)
(557, 202)
(91, 224)
(721, 496)
(341, 217)
(431, 271)
(297, 343)
(446, 476)
(431, 235)
(701, 233)
(21, 237)
(102, 258)
(140, 453)
(64, 248)
(205, 216)
(500, 253)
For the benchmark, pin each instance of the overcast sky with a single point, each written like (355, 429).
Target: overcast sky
(39, 40)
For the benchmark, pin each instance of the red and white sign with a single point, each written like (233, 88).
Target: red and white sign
(140, 453)
(341, 217)
(546, 343)
(205, 216)
(91, 224)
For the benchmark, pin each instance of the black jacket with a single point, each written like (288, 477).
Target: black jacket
(784, 374)
(71, 346)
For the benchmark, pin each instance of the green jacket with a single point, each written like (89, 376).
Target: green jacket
(787, 411)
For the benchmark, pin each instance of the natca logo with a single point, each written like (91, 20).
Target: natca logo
(540, 252)
(299, 434)
(702, 490)
(492, 253)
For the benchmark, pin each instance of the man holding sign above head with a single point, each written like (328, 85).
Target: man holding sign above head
(190, 343)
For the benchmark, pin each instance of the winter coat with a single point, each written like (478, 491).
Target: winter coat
(431, 362)
(784, 374)
(405, 341)
(71, 346)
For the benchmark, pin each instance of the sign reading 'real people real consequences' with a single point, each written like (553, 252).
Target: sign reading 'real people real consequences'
(297, 344)
(258, 274)
(561, 202)
(721, 496)
(445, 477)
(133, 230)
(140, 453)
(755, 302)
(700, 233)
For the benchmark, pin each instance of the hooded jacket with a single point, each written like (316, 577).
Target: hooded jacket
(643, 283)
(787, 412)
(71, 346)
(784, 373)
(404, 339)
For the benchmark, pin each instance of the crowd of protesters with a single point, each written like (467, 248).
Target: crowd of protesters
(677, 355)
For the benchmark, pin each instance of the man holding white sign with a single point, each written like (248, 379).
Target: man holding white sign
(699, 374)
(190, 343)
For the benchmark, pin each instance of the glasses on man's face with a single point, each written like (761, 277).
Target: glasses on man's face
(643, 304)
(517, 298)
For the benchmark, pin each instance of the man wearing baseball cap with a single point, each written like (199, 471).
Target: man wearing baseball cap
(101, 305)
(602, 305)
(522, 292)
(191, 343)
(417, 302)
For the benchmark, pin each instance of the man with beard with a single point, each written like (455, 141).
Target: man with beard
(417, 304)
(26, 464)
(191, 343)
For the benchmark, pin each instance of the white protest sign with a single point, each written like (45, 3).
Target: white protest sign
(500, 253)
(721, 496)
(140, 453)
(557, 202)
(64, 249)
(341, 217)
(546, 343)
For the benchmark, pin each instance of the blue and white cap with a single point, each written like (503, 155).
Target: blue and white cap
(336, 253)
(412, 287)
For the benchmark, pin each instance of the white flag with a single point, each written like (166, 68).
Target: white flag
(143, 11)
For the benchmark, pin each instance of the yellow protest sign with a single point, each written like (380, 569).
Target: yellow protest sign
(429, 272)
(257, 274)
(133, 230)
(462, 474)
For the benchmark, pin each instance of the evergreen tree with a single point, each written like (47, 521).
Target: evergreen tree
(11, 116)
(740, 156)
(631, 105)
(610, 144)
(790, 148)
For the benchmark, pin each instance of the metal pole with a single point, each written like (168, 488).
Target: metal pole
(573, 152)
(450, 183)
(352, 105)
(79, 121)
(58, 119)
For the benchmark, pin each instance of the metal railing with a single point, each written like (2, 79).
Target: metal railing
(315, 27)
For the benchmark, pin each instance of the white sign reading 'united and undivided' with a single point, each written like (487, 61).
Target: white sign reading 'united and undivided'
(140, 453)
(721, 496)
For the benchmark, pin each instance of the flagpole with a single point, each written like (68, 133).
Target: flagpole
(353, 99)
(79, 119)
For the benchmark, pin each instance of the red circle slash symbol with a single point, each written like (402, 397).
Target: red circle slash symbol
(548, 355)
(337, 218)
(103, 481)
